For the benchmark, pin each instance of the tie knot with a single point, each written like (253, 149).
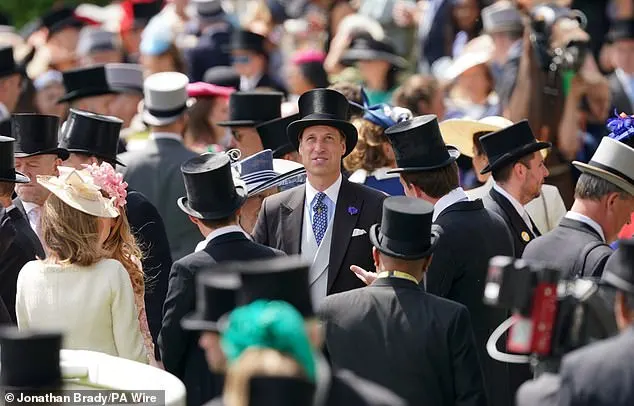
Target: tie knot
(319, 198)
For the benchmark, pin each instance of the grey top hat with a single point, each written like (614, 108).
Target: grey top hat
(612, 161)
(93, 39)
(501, 16)
(165, 98)
(208, 9)
(125, 77)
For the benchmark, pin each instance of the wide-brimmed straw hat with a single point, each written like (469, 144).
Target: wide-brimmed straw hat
(77, 189)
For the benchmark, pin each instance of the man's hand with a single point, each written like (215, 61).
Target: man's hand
(367, 277)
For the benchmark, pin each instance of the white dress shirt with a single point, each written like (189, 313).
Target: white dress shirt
(517, 205)
(251, 83)
(455, 196)
(586, 220)
(217, 233)
(34, 214)
(332, 193)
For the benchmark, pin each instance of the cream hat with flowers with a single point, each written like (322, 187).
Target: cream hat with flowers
(77, 189)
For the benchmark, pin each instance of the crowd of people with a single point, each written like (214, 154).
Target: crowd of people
(297, 203)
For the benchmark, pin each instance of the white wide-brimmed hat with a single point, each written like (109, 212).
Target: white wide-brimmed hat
(165, 98)
(612, 161)
(459, 132)
(478, 51)
(77, 189)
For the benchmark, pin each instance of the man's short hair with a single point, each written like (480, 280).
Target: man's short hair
(503, 174)
(227, 221)
(6, 188)
(435, 183)
(592, 187)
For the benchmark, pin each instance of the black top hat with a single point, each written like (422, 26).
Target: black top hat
(510, 144)
(36, 134)
(248, 109)
(85, 82)
(7, 162)
(273, 135)
(366, 48)
(280, 391)
(406, 229)
(211, 192)
(143, 11)
(323, 107)
(248, 41)
(30, 359)
(216, 295)
(7, 63)
(91, 134)
(5, 19)
(621, 29)
(223, 76)
(418, 145)
(280, 278)
(60, 18)
(619, 272)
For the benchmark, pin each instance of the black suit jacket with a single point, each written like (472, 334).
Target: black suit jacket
(572, 247)
(281, 218)
(147, 226)
(600, 374)
(516, 225)
(16, 249)
(620, 102)
(180, 352)
(472, 235)
(418, 345)
(28, 231)
(268, 81)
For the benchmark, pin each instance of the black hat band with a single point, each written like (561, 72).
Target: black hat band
(612, 171)
(167, 113)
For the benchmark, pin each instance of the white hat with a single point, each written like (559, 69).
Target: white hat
(125, 77)
(459, 132)
(612, 161)
(502, 16)
(165, 98)
(77, 189)
(476, 52)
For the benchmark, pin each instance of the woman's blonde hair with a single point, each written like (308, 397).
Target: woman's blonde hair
(256, 362)
(368, 154)
(122, 246)
(71, 236)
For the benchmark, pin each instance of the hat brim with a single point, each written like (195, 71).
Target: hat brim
(454, 153)
(127, 90)
(196, 322)
(375, 230)
(14, 70)
(509, 157)
(152, 120)
(19, 178)
(349, 131)
(183, 204)
(277, 181)
(352, 56)
(239, 123)
(459, 133)
(603, 174)
(100, 156)
(82, 93)
(61, 153)
(97, 208)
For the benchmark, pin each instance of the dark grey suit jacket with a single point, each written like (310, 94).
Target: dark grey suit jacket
(472, 235)
(418, 345)
(573, 247)
(280, 223)
(620, 102)
(155, 172)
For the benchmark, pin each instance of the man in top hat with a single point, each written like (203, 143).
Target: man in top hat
(250, 57)
(136, 15)
(92, 138)
(16, 248)
(36, 153)
(246, 111)
(471, 236)
(126, 81)
(10, 86)
(604, 201)
(326, 220)
(226, 76)
(87, 89)
(517, 167)
(155, 170)
(63, 28)
(273, 136)
(392, 324)
(212, 203)
(621, 81)
(97, 46)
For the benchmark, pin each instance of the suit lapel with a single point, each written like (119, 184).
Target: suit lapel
(292, 218)
(37, 244)
(517, 225)
(343, 226)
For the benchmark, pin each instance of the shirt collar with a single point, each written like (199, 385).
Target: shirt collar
(217, 233)
(28, 206)
(332, 192)
(455, 196)
(586, 220)
(165, 136)
(247, 84)
(4, 112)
(517, 205)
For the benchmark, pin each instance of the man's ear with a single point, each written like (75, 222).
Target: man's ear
(376, 257)
(194, 220)
(611, 200)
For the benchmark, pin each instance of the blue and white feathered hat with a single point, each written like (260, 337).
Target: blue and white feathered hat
(384, 115)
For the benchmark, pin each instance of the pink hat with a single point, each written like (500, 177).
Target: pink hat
(307, 56)
(202, 89)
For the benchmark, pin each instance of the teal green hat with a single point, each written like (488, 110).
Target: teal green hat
(269, 324)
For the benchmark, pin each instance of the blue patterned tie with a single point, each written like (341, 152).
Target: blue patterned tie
(320, 217)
